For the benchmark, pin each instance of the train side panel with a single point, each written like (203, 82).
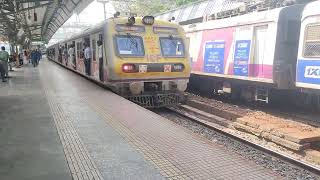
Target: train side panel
(308, 64)
(234, 51)
(248, 55)
(251, 47)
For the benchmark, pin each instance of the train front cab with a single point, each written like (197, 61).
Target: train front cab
(308, 63)
(147, 63)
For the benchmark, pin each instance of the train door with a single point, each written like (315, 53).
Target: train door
(260, 38)
(73, 56)
(79, 56)
(65, 54)
(100, 56)
(94, 63)
(88, 64)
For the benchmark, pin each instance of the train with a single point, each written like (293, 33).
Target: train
(140, 58)
(259, 56)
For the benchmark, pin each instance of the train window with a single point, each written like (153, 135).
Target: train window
(128, 45)
(94, 48)
(172, 47)
(312, 41)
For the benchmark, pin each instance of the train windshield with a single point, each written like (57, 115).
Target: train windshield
(172, 47)
(128, 45)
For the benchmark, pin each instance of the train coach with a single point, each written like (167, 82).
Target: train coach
(142, 59)
(308, 62)
(251, 56)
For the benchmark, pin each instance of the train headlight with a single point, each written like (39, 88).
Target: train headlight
(128, 68)
(178, 67)
(131, 21)
(148, 20)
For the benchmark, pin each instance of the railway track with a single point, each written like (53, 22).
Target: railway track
(302, 169)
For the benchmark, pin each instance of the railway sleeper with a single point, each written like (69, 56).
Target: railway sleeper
(210, 109)
(272, 138)
(207, 116)
(264, 130)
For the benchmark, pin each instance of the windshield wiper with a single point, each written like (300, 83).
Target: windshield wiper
(133, 41)
(172, 42)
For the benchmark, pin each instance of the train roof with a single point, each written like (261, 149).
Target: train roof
(119, 20)
(251, 18)
(312, 8)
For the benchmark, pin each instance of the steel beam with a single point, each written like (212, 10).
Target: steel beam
(26, 9)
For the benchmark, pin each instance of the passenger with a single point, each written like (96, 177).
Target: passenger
(4, 55)
(38, 56)
(25, 57)
(100, 54)
(11, 60)
(20, 58)
(34, 58)
(28, 56)
(87, 57)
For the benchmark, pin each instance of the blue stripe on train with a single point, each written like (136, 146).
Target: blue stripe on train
(308, 71)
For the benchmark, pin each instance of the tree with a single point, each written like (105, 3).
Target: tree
(148, 7)
(184, 2)
(144, 7)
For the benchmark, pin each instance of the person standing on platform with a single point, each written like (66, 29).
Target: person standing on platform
(21, 58)
(12, 59)
(4, 57)
(87, 57)
(34, 58)
(2, 72)
(100, 55)
(38, 56)
(25, 57)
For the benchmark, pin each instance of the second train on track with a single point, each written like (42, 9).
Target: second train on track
(259, 56)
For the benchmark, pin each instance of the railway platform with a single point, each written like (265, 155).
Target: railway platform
(55, 124)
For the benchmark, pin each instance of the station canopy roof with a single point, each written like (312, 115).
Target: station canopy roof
(199, 10)
(24, 21)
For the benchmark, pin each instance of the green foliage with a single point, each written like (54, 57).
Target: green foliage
(144, 7)
(148, 7)
(184, 2)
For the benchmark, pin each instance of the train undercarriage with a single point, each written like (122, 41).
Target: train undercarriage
(259, 93)
(153, 94)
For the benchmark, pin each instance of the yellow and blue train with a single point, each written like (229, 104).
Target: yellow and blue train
(142, 59)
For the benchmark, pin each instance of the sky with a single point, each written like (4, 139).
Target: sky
(91, 15)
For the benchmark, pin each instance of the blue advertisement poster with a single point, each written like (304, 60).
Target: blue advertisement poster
(241, 57)
(214, 57)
